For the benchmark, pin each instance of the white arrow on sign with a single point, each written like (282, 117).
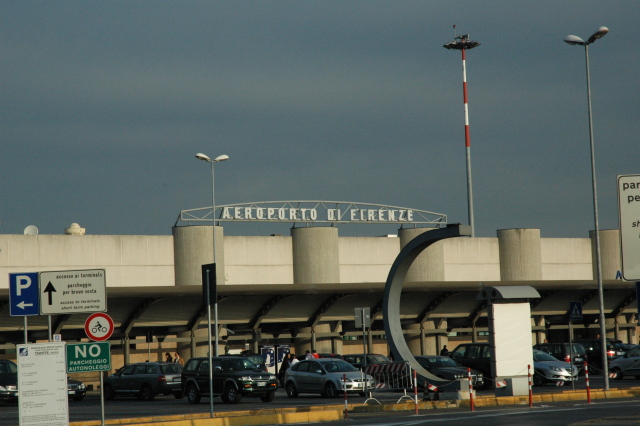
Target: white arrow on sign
(23, 305)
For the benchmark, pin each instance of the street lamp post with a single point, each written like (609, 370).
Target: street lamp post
(463, 43)
(218, 159)
(575, 40)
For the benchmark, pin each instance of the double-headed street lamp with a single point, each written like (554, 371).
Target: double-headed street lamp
(218, 159)
(575, 40)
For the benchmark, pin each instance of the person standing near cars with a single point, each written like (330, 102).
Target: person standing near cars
(167, 357)
(292, 359)
(444, 351)
(286, 362)
(178, 359)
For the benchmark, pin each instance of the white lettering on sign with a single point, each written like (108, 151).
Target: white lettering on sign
(22, 281)
(81, 351)
(311, 214)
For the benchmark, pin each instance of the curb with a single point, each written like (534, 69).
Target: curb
(331, 413)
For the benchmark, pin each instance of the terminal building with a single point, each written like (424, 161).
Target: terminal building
(301, 290)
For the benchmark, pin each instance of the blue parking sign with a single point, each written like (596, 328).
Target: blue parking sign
(24, 294)
(575, 311)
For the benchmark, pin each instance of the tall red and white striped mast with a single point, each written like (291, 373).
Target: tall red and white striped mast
(463, 43)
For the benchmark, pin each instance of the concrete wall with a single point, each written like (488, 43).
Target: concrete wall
(129, 260)
(133, 261)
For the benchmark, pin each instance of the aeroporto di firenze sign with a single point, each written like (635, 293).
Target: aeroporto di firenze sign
(313, 212)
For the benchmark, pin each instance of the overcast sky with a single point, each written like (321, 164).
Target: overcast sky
(104, 105)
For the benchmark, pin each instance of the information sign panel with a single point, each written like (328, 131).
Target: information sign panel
(575, 311)
(23, 294)
(93, 356)
(72, 292)
(42, 383)
(629, 217)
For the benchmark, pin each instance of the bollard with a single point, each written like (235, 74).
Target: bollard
(530, 388)
(346, 405)
(586, 380)
(473, 408)
(415, 389)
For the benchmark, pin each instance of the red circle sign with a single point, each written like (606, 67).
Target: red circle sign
(99, 326)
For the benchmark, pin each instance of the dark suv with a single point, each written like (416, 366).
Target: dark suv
(144, 380)
(474, 355)
(563, 352)
(233, 378)
(593, 349)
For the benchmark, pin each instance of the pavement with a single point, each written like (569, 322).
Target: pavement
(328, 413)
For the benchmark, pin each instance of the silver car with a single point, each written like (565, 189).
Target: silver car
(326, 377)
(627, 364)
(549, 369)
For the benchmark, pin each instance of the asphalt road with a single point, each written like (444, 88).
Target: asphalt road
(90, 407)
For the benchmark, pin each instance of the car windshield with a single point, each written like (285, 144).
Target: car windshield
(437, 361)
(543, 356)
(170, 368)
(8, 367)
(618, 346)
(237, 364)
(338, 366)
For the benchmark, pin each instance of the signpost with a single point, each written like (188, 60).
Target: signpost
(99, 326)
(72, 292)
(629, 222)
(92, 356)
(42, 381)
(23, 294)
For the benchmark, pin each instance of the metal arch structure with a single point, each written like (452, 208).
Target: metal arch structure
(393, 293)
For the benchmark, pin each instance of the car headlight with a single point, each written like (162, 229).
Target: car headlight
(81, 386)
(272, 377)
(460, 376)
(555, 368)
(2, 388)
(246, 379)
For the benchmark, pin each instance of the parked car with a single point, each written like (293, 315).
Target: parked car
(448, 369)
(563, 352)
(76, 389)
(334, 356)
(144, 380)
(8, 381)
(325, 376)
(627, 364)
(593, 349)
(549, 369)
(474, 355)
(358, 360)
(233, 378)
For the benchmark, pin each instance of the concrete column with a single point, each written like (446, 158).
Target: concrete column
(609, 253)
(193, 247)
(520, 254)
(315, 255)
(193, 344)
(127, 350)
(429, 265)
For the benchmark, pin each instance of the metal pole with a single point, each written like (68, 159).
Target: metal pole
(213, 207)
(102, 399)
(467, 142)
(49, 321)
(603, 326)
(25, 330)
(209, 343)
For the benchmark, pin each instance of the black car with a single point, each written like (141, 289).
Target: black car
(563, 352)
(233, 378)
(257, 359)
(593, 349)
(448, 369)
(474, 355)
(8, 381)
(76, 389)
(145, 380)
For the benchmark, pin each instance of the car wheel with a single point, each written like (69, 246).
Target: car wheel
(231, 395)
(618, 372)
(78, 398)
(268, 397)
(193, 395)
(538, 379)
(146, 394)
(109, 393)
(330, 390)
(292, 392)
